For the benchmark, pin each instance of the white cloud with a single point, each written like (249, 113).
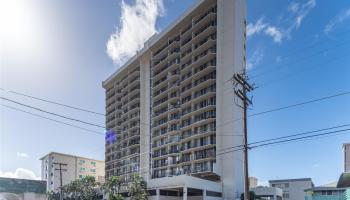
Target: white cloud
(23, 155)
(255, 59)
(293, 7)
(342, 16)
(256, 28)
(263, 183)
(292, 21)
(298, 13)
(275, 33)
(137, 24)
(20, 173)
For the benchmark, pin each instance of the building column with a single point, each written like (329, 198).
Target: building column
(204, 194)
(157, 194)
(185, 193)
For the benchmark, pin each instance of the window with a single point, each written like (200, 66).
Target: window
(286, 185)
(286, 195)
(93, 170)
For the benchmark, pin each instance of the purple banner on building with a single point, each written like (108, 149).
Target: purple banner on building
(111, 137)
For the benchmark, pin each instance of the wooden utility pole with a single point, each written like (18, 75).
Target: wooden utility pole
(60, 169)
(241, 87)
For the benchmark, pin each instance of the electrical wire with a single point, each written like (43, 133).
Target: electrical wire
(57, 121)
(53, 102)
(52, 113)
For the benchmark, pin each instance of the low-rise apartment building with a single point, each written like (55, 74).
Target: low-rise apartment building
(293, 189)
(268, 193)
(74, 167)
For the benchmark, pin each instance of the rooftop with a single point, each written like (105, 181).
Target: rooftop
(154, 39)
(344, 180)
(63, 154)
(291, 180)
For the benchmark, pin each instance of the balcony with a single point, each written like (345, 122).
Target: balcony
(186, 31)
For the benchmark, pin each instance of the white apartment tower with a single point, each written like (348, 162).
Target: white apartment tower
(171, 108)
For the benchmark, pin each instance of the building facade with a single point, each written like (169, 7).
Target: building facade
(170, 109)
(268, 193)
(293, 189)
(327, 193)
(74, 168)
(22, 189)
(253, 182)
(346, 148)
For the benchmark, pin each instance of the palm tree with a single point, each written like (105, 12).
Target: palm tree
(112, 188)
(137, 188)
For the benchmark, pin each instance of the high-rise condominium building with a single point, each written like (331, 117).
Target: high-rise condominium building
(73, 168)
(346, 148)
(171, 108)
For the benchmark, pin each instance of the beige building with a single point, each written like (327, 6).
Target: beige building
(75, 167)
(170, 108)
(253, 182)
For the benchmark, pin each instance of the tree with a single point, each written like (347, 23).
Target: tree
(112, 188)
(137, 188)
(85, 188)
(53, 195)
(252, 196)
(89, 188)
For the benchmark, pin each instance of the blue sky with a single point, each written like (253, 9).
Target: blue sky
(57, 50)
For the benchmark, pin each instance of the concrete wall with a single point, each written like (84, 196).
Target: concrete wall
(296, 188)
(346, 148)
(23, 196)
(230, 60)
(145, 111)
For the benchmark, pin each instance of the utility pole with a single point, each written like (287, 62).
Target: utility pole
(241, 87)
(60, 169)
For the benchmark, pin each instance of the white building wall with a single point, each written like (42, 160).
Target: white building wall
(230, 54)
(145, 110)
(293, 189)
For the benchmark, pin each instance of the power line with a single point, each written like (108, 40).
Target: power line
(300, 138)
(234, 120)
(52, 113)
(300, 104)
(286, 140)
(292, 135)
(53, 102)
(289, 106)
(61, 122)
